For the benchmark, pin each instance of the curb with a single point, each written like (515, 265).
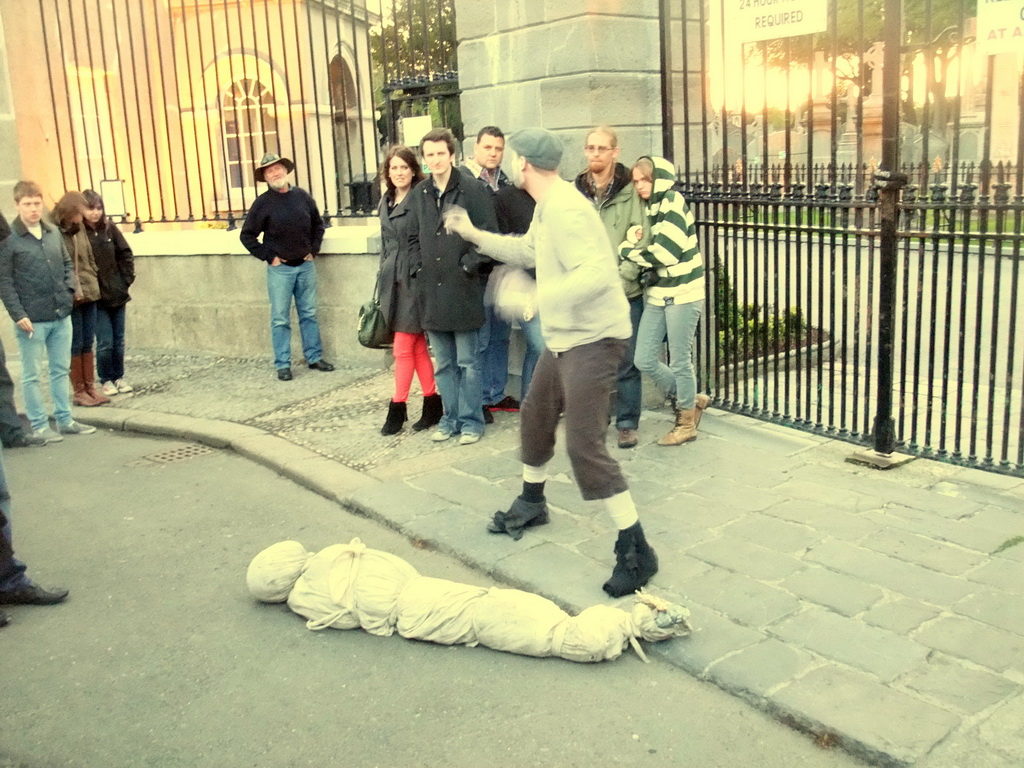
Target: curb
(547, 569)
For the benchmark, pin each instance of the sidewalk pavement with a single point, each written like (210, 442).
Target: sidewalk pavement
(881, 611)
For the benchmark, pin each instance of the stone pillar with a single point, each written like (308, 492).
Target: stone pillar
(564, 65)
(10, 158)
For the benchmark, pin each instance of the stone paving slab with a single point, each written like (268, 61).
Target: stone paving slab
(871, 719)
(963, 689)
(884, 654)
(859, 605)
(836, 591)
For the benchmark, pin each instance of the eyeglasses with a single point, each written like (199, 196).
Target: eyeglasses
(592, 149)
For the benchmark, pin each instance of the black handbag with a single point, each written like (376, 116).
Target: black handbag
(373, 328)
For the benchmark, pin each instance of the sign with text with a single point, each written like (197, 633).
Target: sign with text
(749, 21)
(1001, 26)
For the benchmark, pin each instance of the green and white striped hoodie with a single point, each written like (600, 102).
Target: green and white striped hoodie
(673, 250)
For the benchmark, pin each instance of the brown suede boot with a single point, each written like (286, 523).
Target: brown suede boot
(89, 379)
(701, 404)
(80, 396)
(685, 429)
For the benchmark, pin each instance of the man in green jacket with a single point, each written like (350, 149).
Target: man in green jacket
(608, 185)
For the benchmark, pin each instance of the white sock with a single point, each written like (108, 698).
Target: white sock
(622, 510)
(535, 474)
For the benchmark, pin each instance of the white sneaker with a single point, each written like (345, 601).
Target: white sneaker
(468, 438)
(74, 428)
(440, 435)
(123, 386)
(109, 388)
(48, 435)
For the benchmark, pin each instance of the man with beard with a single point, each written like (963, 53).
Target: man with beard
(608, 185)
(584, 317)
(292, 231)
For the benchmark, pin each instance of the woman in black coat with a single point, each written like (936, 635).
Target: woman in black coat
(115, 268)
(401, 172)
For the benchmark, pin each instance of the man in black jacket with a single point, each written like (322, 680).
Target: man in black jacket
(292, 231)
(448, 280)
(12, 433)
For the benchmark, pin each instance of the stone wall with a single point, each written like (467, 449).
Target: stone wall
(564, 65)
(202, 292)
(10, 158)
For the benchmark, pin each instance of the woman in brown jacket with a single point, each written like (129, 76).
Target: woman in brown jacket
(68, 214)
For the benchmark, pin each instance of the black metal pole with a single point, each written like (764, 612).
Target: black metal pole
(890, 181)
(667, 116)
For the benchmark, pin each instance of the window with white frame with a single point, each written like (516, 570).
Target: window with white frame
(250, 129)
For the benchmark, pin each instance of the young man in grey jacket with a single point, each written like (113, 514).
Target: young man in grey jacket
(586, 327)
(37, 285)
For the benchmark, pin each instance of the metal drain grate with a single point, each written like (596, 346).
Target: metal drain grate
(179, 454)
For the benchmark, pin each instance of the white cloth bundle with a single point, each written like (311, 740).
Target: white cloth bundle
(513, 293)
(349, 585)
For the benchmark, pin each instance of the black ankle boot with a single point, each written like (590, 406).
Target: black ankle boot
(433, 410)
(396, 418)
(522, 514)
(635, 562)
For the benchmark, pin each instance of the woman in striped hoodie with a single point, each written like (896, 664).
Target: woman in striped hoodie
(674, 296)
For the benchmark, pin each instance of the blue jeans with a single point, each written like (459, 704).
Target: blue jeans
(12, 570)
(284, 283)
(83, 328)
(457, 373)
(53, 338)
(679, 322)
(629, 395)
(110, 342)
(534, 346)
(494, 338)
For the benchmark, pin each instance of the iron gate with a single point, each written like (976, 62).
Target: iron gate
(418, 66)
(179, 99)
(858, 192)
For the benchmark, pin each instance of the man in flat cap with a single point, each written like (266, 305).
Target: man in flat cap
(292, 230)
(584, 317)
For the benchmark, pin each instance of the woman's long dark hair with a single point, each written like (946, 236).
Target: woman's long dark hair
(94, 200)
(408, 157)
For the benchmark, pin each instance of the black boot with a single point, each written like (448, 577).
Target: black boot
(396, 418)
(522, 514)
(433, 410)
(635, 562)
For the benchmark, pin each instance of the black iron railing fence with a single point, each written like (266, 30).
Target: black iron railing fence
(857, 180)
(180, 99)
(794, 290)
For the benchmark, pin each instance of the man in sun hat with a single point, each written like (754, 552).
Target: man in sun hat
(584, 318)
(292, 230)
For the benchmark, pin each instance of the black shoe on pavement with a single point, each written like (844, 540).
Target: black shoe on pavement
(33, 595)
(635, 562)
(321, 365)
(24, 440)
(284, 374)
(507, 403)
(522, 514)
(488, 416)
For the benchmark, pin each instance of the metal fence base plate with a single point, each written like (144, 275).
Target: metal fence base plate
(879, 460)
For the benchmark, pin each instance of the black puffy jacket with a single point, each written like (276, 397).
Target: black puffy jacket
(115, 264)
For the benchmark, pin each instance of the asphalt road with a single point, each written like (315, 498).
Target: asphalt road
(161, 658)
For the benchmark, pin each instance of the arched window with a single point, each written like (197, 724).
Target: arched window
(250, 128)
